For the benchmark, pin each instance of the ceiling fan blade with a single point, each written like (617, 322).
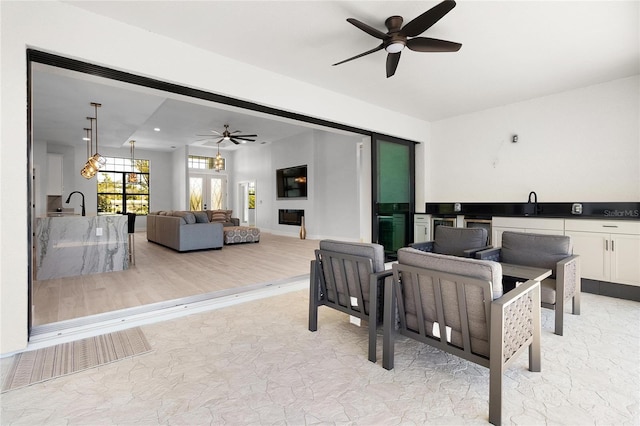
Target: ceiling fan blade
(427, 19)
(244, 139)
(360, 55)
(245, 136)
(426, 44)
(392, 63)
(234, 141)
(368, 29)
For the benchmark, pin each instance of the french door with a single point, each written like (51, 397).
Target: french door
(207, 192)
(393, 187)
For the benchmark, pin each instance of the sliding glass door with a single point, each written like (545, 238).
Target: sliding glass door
(393, 192)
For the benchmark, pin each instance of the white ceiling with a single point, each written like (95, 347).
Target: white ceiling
(511, 50)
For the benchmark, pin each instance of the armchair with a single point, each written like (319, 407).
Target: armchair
(457, 305)
(453, 241)
(544, 251)
(349, 277)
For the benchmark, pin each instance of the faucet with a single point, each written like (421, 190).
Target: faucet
(81, 205)
(535, 203)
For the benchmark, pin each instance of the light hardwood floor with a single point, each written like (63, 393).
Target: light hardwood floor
(162, 274)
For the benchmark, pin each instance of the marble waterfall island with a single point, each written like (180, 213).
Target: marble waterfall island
(80, 245)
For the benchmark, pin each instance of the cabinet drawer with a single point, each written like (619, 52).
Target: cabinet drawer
(421, 218)
(529, 223)
(605, 226)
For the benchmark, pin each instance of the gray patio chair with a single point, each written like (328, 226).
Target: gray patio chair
(349, 277)
(454, 241)
(457, 305)
(544, 251)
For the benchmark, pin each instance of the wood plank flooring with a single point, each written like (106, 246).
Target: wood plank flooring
(162, 274)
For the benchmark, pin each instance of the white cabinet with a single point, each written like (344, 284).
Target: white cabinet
(54, 174)
(609, 249)
(421, 230)
(524, 224)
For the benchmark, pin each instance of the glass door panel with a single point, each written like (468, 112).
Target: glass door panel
(394, 193)
(207, 192)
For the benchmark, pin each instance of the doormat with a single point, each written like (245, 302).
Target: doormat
(67, 358)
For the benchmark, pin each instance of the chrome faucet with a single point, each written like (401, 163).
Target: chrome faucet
(535, 197)
(81, 205)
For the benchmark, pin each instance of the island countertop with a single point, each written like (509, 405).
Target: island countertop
(71, 245)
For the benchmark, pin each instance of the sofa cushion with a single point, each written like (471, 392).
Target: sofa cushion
(201, 217)
(537, 250)
(373, 251)
(454, 241)
(482, 269)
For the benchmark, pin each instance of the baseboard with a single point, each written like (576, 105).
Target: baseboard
(604, 288)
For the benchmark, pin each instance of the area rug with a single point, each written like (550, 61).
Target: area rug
(56, 361)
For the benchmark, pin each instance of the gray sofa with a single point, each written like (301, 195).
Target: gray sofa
(186, 230)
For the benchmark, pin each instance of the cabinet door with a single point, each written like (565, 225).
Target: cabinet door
(593, 249)
(420, 232)
(54, 174)
(625, 259)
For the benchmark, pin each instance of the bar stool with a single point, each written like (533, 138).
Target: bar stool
(132, 229)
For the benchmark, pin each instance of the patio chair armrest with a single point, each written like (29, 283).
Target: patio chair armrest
(472, 252)
(519, 310)
(568, 273)
(489, 254)
(424, 246)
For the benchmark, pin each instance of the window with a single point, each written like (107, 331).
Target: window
(206, 163)
(118, 196)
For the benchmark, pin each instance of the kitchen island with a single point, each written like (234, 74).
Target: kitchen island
(71, 245)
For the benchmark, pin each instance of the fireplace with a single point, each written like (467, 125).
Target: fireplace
(290, 217)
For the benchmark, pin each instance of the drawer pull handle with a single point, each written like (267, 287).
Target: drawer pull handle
(606, 245)
(612, 246)
(609, 226)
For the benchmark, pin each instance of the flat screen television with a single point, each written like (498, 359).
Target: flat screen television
(291, 182)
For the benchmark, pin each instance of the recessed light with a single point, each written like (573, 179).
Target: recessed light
(156, 129)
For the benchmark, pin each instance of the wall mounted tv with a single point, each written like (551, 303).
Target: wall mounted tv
(291, 182)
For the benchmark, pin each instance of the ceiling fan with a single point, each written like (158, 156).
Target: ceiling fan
(398, 36)
(232, 136)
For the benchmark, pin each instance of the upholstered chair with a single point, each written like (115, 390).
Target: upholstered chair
(349, 277)
(457, 304)
(552, 252)
(454, 241)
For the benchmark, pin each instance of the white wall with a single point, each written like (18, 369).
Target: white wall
(581, 145)
(54, 27)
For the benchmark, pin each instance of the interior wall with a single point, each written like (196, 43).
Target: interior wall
(580, 145)
(336, 186)
(54, 27)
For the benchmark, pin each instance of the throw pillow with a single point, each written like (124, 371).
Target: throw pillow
(201, 217)
(227, 215)
(188, 217)
(218, 216)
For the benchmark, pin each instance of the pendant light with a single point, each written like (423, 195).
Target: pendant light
(133, 176)
(218, 161)
(97, 160)
(85, 171)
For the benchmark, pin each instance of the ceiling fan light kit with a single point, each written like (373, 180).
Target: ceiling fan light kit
(397, 37)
